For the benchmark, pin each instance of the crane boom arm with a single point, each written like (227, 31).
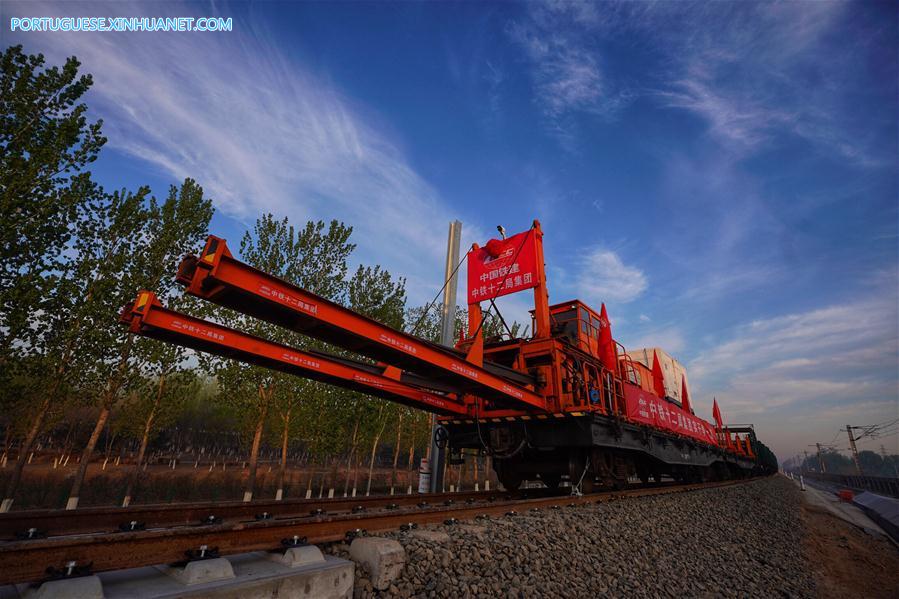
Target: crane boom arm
(147, 317)
(218, 277)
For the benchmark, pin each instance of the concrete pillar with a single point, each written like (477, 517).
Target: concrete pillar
(383, 558)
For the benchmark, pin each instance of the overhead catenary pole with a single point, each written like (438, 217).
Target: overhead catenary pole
(854, 449)
(448, 319)
(821, 459)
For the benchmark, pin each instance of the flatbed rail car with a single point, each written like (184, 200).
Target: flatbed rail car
(566, 403)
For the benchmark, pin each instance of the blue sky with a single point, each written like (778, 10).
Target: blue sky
(722, 175)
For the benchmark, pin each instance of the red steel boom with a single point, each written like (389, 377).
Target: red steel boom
(149, 318)
(220, 278)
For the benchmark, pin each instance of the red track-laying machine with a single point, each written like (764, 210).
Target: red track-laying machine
(565, 403)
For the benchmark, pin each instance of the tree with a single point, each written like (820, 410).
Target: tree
(289, 396)
(313, 258)
(78, 311)
(176, 227)
(45, 142)
(870, 462)
(142, 254)
(154, 404)
(374, 293)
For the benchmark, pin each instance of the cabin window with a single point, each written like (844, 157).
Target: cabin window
(567, 321)
(561, 317)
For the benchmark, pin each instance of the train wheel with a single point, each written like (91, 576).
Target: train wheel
(551, 480)
(507, 475)
(588, 485)
(643, 475)
(510, 481)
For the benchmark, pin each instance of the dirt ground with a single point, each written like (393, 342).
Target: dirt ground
(847, 561)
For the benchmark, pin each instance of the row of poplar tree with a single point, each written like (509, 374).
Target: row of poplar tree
(73, 254)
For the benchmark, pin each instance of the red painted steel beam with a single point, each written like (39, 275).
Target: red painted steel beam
(220, 278)
(147, 317)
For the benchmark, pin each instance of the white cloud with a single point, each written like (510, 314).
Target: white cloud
(260, 133)
(733, 118)
(604, 277)
(567, 78)
(741, 68)
(797, 375)
(746, 76)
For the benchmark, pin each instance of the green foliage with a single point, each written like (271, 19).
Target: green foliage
(874, 464)
(315, 258)
(176, 227)
(156, 402)
(45, 141)
(373, 293)
(72, 255)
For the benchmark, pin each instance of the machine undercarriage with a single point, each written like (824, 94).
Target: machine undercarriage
(589, 452)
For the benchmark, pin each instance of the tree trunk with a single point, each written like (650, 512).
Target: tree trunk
(374, 449)
(72, 503)
(257, 441)
(144, 441)
(112, 389)
(38, 422)
(139, 460)
(396, 449)
(279, 494)
(33, 431)
(349, 459)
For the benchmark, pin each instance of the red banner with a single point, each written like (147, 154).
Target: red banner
(502, 267)
(645, 408)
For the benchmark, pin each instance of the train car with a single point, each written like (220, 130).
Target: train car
(567, 403)
(612, 417)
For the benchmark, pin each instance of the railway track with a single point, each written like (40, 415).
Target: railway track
(44, 523)
(29, 560)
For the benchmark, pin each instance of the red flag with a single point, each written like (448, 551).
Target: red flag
(716, 413)
(749, 447)
(684, 396)
(658, 379)
(607, 352)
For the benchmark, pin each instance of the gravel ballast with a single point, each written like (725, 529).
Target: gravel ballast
(737, 541)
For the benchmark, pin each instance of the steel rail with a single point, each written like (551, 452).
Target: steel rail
(110, 519)
(218, 277)
(27, 561)
(147, 317)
